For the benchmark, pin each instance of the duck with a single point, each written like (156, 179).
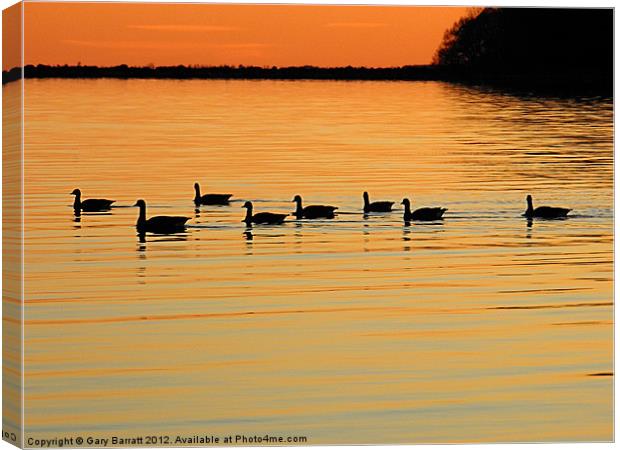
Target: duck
(544, 212)
(158, 224)
(210, 199)
(376, 206)
(313, 211)
(422, 213)
(262, 217)
(91, 204)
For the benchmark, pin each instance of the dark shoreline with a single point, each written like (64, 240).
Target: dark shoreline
(575, 82)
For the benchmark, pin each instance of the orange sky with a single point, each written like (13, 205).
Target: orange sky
(11, 32)
(264, 35)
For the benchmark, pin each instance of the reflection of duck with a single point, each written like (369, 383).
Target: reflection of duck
(544, 212)
(313, 211)
(422, 213)
(91, 204)
(158, 224)
(376, 206)
(262, 217)
(210, 199)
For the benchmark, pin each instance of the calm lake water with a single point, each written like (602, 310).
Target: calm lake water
(353, 330)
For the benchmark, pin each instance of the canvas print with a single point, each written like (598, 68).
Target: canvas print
(250, 225)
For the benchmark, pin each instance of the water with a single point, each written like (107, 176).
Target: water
(354, 330)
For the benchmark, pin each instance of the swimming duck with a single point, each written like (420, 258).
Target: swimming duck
(158, 224)
(313, 211)
(376, 206)
(544, 212)
(422, 213)
(91, 204)
(210, 199)
(262, 217)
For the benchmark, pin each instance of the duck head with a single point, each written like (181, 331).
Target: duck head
(141, 203)
(297, 199)
(247, 205)
(76, 192)
(405, 202)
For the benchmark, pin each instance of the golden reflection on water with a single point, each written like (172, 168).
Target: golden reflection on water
(12, 261)
(352, 330)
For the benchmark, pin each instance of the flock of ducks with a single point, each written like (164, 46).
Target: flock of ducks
(172, 224)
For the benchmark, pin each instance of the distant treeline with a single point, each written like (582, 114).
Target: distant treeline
(226, 72)
(577, 81)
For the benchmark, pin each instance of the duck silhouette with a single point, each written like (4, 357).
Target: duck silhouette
(313, 211)
(422, 213)
(91, 204)
(210, 199)
(158, 224)
(262, 217)
(376, 206)
(544, 212)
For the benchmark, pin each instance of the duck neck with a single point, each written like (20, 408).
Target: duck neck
(366, 202)
(407, 210)
(248, 214)
(77, 203)
(530, 207)
(299, 211)
(197, 196)
(142, 216)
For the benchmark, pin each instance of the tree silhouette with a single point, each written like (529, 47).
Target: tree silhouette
(536, 49)
(530, 40)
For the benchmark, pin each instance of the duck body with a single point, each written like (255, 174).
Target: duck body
(210, 199)
(91, 204)
(313, 211)
(317, 212)
(428, 214)
(262, 218)
(158, 224)
(96, 204)
(376, 206)
(544, 212)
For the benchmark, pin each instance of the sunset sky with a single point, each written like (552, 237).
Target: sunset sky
(265, 35)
